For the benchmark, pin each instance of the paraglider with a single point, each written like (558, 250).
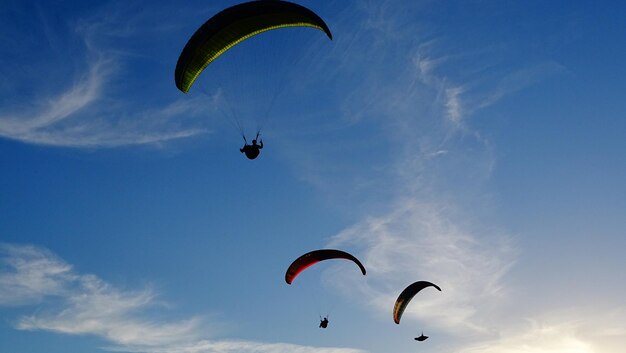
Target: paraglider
(421, 337)
(227, 29)
(313, 257)
(253, 150)
(324, 322)
(309, 259)
(405, 297)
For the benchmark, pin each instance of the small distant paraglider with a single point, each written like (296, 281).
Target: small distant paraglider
(324, 322)
(405, 297)
(421, 337)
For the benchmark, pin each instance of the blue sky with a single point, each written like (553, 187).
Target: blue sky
(479, 145)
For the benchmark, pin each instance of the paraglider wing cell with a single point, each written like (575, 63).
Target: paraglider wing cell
(235, 24)
(405, 297)
(313, 257)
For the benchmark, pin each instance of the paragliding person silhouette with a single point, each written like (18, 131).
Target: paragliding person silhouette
(323, 322)
(421, 337)
(252, 151)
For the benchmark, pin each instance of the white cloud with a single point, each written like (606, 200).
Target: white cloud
(464, 99)
(516, 81)
(90, 306)
(539, 338)
(94, 307)
(575, 330)
(29, 274)
(82, 93)
(453, 104)
(227, 346)
(95, 111)
(419, 241)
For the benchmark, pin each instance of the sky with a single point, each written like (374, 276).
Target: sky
(479, 145)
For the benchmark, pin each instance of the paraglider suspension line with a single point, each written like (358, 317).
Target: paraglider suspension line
(265, 116)
(234, 119)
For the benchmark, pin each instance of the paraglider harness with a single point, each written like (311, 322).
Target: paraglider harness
(323, 322)
(251, 150)
(421, 337)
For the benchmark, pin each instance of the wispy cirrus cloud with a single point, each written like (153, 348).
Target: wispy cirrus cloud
(89, 305)
(421, 241)
(29, 274)
(66, 120)
(96, 308)
(83, 92)
(228, 346)
(88, 105)
(465, 98)
(82, 304)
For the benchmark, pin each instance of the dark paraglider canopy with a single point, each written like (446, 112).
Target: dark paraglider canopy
(235, 24)
(313, 257)
(405, 297)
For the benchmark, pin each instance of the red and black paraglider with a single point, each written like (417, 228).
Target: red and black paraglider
(309, 259)
(313, 257)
